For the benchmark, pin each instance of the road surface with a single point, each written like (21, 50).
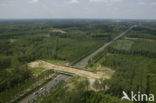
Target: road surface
(45, 88)
(84, 62)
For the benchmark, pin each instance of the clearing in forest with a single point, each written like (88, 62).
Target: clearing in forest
(83, 73)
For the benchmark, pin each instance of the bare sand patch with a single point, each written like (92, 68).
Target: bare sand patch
(58, 30)
(47, 65)
(105, 71)
(12, 40)
(102, 72)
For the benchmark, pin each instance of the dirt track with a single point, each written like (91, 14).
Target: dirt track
(82, 73)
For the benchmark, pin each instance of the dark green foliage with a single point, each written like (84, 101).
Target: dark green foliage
(130, 73)
(13, 77)
(133, 52)
(146, 32)
(17, 82)
(25, 41)
(62, 94)
(80, 94)
(134, 67)
(99, 97)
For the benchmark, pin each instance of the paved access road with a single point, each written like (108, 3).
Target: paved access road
(45, 88)
(84, 62)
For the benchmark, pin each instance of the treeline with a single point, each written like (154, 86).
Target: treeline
(64, 93)
(142, 35)
(11, 77)
(93, 26)
(19, 83)
(146, 32)
(131, 73)
(12, 82)
(100, 97)
(134, 67)
(132, 52)
(25, 41)
(78, 93)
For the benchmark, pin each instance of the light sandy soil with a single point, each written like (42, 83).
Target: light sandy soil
(127, 38)
(58, 30)
(107, 72)
(82, 73)
(12, 40)
(102, 72)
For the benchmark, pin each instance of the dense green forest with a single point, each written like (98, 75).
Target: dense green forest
(133, 57)
(77, 92)
(23, 41)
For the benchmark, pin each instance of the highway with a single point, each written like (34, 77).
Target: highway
(84, 62)
(60, 77)
(45, 88)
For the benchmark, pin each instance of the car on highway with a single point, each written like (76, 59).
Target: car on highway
(41, 88)
(36, 93)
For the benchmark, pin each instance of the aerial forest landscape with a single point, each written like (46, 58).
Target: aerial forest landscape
(76, 58)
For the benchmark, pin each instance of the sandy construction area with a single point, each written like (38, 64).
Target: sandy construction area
(83, 73)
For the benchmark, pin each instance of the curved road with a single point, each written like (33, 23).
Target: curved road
(84, 62)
